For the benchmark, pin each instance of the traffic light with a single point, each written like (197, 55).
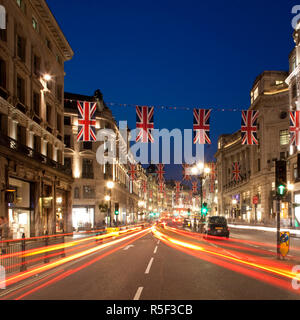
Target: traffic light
(204, 209)
(189, 211)
(116, 208)
(280, 177)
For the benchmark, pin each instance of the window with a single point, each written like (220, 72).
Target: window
(21, 134)
(295, 171)
(49, 150)
(36, 65)
(3, 32)
(59, 124)
(67, 121)
(87, 145)
(87, 169)
(88, 192)
(37, 143)
(68, 163)
(258, 164)
(2, 74)
(76, 193)
(21, 5)
(58, 59)
(49, 113)
(255, 94)
(48, 44)
(21, 89)
(36, 103)
(3, 123)
(59, 92)
(21, 48)
(294, 90)
(284, 137)
(67, 140)
(278, 82)
(34, 24)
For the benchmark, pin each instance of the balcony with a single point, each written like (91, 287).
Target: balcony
(30, 153)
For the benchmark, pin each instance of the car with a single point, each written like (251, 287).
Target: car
(216, 226)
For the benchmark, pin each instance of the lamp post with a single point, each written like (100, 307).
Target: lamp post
(199, 170)
(110, 186)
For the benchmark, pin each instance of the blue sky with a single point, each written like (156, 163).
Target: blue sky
(174, 53)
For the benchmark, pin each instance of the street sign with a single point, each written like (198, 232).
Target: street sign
(284, 243)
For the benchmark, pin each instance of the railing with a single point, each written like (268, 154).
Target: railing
(15, 255)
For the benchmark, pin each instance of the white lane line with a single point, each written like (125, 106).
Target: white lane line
(158, 241)
(149, 265)
(155, 249)
(138, 293)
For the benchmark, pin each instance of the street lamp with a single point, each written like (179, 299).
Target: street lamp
(110, 185)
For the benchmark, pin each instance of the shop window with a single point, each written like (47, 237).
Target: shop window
(21, 89)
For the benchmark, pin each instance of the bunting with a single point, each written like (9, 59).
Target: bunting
(201, 126)
(249, 127)
(144, 124)
(132, 172)
(86, 121)
(194, 186)
(236, 172)
(160, 172)
(294, 128)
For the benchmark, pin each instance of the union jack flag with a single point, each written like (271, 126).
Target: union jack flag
(144, 186)
(177, 187)
(201, 126)
(212, 186)
(160, 172)
(236, 171)
(161, 187)
(249, 127)
(144, 124)
(294, 128)
(213, 170)
(86, 121)
(150, 194)
(132, 172)
(185, 170)
(195, 186)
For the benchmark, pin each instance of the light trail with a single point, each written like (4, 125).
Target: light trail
(277, 271)
(23, 275)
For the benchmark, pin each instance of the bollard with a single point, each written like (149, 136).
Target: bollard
(23, 247)
(46, 259)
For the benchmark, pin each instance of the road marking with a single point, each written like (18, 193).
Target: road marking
(129, 246)
(138, 293)
(149, 265)
(158, 241)
(155, 249)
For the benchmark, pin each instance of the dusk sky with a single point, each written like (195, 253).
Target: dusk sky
(174, 53)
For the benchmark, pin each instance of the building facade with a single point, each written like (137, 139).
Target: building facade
(252, 198)
(90, 207)
(35, 189)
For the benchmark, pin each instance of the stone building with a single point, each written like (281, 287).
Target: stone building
(90, 209)
(270, 96)
(35, 189)
(293, 163)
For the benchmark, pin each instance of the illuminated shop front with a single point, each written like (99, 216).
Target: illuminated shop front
(83, 217)
(19, 211)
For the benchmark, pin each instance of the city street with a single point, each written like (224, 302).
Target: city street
(149, 269)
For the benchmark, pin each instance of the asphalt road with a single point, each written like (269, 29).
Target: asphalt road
(149, 269)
